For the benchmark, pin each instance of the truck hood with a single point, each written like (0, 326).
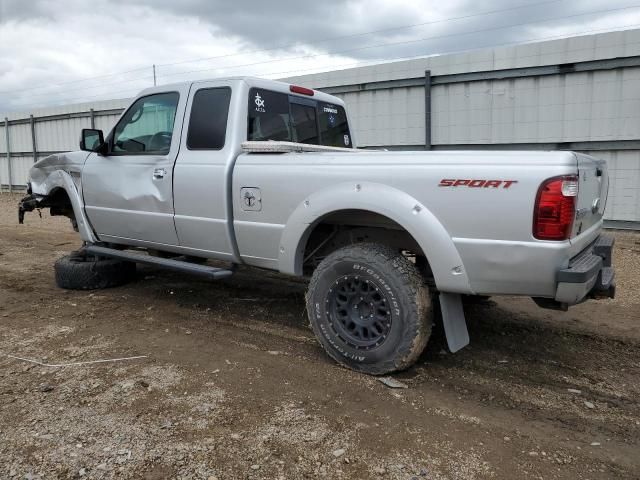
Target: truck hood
(70, 162)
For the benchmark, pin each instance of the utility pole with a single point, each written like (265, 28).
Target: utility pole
(154, 75)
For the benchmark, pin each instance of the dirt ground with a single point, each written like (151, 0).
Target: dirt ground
(234, 385)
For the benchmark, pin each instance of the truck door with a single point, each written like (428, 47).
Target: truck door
(128, 192)
(202, 182)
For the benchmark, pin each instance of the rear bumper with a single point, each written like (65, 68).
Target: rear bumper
(590, 274)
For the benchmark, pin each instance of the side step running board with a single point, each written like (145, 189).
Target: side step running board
(212, 273)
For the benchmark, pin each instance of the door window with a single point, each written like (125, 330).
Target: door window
(147, 127)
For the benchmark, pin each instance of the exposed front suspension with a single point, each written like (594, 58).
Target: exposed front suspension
(27, 204)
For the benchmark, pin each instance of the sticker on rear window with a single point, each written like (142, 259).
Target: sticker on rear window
(346, 140)
(259, 103)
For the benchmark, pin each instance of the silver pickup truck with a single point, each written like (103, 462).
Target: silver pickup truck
(267, 174)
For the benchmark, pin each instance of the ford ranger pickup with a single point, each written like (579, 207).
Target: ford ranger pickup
(261, 173)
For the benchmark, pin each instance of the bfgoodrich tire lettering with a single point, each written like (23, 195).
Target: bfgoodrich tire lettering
(370, 308)
(77, 271)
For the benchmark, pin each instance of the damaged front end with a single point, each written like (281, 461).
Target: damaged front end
(54, 184)
(58, 204)
(27, 204)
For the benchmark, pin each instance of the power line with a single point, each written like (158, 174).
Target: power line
(386, 44)
(345, 51)
(284, 46)
(622, 28)
(80, 99)
(74, 81)
(404, 42)
(102, 85)
(378, 61)
(341, 37)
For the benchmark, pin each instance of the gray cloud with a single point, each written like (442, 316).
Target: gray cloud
(47, 43)
(287, 22)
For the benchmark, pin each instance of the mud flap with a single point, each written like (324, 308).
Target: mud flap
(455, 325)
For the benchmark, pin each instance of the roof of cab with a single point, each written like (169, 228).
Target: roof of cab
(250, 80)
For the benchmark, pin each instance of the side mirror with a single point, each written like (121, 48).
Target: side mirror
(91, 139)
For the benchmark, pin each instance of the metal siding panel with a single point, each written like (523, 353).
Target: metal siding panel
(560, 108)
(20, 169)
(3, 142)
(458, 124)
(623, 202)
(106, 122)
(439, 114)
(60, 135)
(501, 111)
(21, 138)
(4, 171)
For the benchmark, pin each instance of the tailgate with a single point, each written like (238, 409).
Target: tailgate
(593, 187)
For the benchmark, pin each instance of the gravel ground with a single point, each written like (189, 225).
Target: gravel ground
(233, 384)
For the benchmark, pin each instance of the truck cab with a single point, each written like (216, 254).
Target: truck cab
(162, 177)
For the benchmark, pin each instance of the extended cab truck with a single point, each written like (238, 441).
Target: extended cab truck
(263, 173)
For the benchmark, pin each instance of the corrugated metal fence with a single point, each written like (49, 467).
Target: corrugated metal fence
(31, 137)
(578, 94)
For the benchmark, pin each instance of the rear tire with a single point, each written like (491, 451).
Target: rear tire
(79, 271)
(370, 308)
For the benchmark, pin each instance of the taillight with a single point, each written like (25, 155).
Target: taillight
(555, 208)
(301, 90)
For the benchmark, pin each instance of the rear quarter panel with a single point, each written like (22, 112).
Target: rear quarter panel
(491, 228)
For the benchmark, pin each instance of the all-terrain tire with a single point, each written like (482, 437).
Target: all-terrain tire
(370, 308)
(78, 271)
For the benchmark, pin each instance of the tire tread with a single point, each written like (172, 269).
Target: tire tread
(418, 326)
(72, 274)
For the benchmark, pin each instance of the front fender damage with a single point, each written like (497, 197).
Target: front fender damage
(54, 183)
(58, 203)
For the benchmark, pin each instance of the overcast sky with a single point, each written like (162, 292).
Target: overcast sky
(49, 49)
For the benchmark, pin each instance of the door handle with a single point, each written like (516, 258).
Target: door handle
(159, 173)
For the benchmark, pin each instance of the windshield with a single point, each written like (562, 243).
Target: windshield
(278, 116)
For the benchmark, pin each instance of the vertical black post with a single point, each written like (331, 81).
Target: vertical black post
(34, 145)
(427, 109)
(92, 114)
(6, 136)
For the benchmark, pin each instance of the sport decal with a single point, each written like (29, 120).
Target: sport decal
(463, 182)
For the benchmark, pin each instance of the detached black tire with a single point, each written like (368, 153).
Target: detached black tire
(370, 308)
(78, 271)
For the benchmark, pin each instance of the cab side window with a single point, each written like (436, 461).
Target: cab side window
(147, 127)
(208, 120)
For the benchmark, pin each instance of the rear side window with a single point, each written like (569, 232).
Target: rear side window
(278, 116)
(334, 127)
(208, 121)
